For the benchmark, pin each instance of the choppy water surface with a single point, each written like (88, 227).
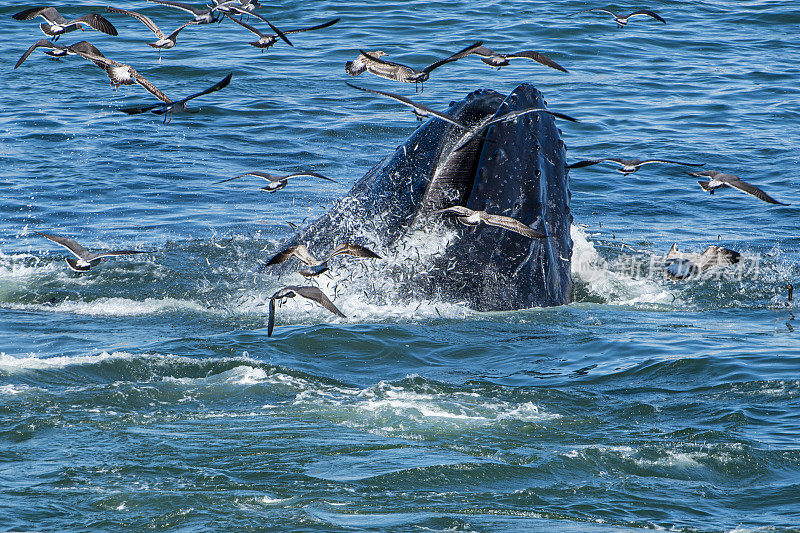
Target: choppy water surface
(145, 394)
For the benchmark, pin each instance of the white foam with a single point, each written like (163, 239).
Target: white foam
(9, 363)
(115, 306)
(619, 288)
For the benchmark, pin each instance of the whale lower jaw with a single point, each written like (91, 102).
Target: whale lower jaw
(518, 170)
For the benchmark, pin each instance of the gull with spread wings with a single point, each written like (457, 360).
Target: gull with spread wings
(57, 25)
(315, 266)
(310, 293)
(276, 182)
(164, 41)
(628, 166)
(495, 59)
(622, 21)
(719, 180)
(267, 40)
(85, 259)
(403, 73)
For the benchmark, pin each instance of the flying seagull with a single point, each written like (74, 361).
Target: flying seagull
(628, 166)
(168, 107)
(622, 21)
(266, 40)
(468, 217)
(310, 293)
(402, 73)
(201, 16)
(276, 182)
(719, 180)
(122, 74)
(85, 259)
(58, 25)
(164, 41)
(316, 266)
(494, 59)
(58, 51)
(421, 111)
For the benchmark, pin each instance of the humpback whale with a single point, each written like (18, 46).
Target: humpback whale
(514, 169)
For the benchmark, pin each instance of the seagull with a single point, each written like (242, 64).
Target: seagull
(622, 21)
(85, 259)
(57, 51)
(168, 107)
(310, 293)
(719, 180)
(58, 25)
(420, 110)
(468, 217)
(481, 128)
(494, 59)
(164, 41)
(201, 16)
(681, 265)
(264, 40)
(315, 265)
(630, 166)
(402, 73)
(276, 182)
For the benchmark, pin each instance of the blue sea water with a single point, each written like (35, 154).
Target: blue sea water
(146, 395)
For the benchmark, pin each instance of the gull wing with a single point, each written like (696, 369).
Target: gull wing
(97, 22)
(305, 174)
(539, 58)
(175, 33)
(147, 21)
(114, 253)
(317, 27)
(47, 13)
(668, 161)
(40, 43)
(457, 210)
(750, 189)
(246, 25)
(511, 224)
(216, 87)
(594, 9)
(585, 163)
(185, 7)
(422, 109)
(271, 319)
(77, 250)
(454, 57)
(152, 89)
(356, 250)
(299, 251)
(315, 294)
(256, 173)
(278, 32)
(649, 14)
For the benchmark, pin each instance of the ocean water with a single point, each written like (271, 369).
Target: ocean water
(146, 395)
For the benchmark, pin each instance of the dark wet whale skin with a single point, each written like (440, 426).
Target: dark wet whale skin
(519, 170)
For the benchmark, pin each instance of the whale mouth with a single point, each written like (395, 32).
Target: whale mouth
(514, 169)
